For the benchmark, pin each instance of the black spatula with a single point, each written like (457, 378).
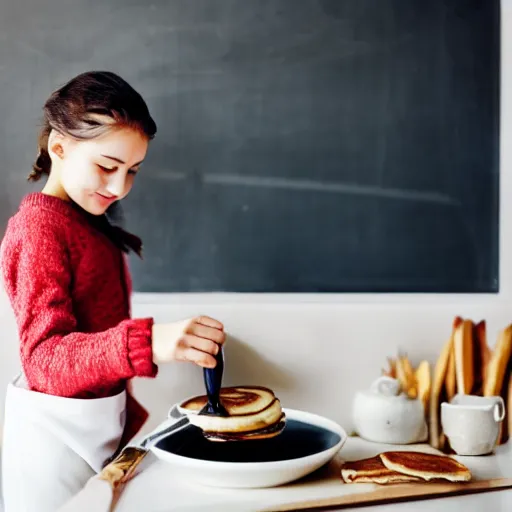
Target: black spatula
(213, 383)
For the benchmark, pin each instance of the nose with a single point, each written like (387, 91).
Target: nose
(116, 184)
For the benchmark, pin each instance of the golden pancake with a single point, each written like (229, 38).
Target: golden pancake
(426, 466)
(254, 412)
(372, 470)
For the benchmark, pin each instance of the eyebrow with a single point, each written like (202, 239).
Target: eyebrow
(120, 161)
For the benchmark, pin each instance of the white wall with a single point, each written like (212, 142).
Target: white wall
(315, 351)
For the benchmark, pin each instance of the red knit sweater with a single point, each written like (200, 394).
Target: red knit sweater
(70, 290)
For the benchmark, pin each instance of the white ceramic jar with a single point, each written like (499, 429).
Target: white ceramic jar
(383, 414)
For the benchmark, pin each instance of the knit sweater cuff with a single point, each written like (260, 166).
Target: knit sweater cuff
(140, 351)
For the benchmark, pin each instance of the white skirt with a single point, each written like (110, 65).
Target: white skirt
(52, 445)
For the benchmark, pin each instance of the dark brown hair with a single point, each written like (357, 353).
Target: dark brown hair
(86, 107)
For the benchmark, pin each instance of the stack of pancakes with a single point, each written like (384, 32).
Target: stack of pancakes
(254, 412)
(403, 466)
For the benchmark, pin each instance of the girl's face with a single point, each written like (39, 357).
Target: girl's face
(95, 173)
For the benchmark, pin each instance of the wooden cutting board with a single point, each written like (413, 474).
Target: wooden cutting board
(395, 493)
(326, 491)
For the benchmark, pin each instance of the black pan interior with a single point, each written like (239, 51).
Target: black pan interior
(298, 439)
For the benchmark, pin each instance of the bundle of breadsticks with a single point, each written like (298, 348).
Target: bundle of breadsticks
(414, 382)
(466, 365)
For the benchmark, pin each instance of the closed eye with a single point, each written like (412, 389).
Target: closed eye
(107, 169)
(113, 169)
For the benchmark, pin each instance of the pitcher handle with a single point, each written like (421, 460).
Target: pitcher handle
(499, 409)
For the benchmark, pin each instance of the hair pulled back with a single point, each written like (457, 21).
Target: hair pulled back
(88, 106)
(85, 108)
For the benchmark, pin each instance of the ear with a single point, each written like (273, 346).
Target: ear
(56, 145)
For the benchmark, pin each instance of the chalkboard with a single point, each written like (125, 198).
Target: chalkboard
(303, 145)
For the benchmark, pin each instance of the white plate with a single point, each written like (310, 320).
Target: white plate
(256, 474)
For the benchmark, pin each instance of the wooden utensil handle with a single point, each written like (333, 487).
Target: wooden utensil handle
(121, 469)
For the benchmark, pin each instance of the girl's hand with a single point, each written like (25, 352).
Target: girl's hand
(196, 340)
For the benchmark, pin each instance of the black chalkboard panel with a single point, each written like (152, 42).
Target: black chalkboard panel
(303, 145)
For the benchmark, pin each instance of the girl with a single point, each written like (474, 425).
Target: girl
(65, 274)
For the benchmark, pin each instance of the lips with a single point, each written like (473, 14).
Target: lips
(103, 199)
(254, 413)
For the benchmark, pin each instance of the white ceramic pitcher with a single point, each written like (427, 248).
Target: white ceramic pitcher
(472, 423)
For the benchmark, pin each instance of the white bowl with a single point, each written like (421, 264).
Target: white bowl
(255, 474)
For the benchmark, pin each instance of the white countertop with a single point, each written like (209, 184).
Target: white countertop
(157, 487)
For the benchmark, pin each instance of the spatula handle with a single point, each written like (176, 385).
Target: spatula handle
(121, 469)
(213, 383)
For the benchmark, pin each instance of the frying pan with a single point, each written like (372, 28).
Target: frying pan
(307, 442)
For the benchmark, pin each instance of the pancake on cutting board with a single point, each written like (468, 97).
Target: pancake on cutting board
(393, 467)
(372, 470)
(426, 466)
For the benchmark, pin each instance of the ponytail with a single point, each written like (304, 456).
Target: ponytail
(114, 229)
(111, 225)
(118, 236)
(43, 163)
